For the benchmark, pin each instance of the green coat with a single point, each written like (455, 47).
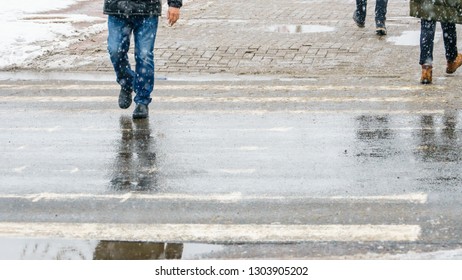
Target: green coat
(437, 10)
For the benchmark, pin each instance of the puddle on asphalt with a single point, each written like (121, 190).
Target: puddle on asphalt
(47, 249)
(292, 28)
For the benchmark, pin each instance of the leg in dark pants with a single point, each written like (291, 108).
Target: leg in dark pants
(450, 40)
(427, 38)
(359, 15)
(381, 11)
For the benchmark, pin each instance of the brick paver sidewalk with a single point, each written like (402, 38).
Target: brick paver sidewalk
(295, 38)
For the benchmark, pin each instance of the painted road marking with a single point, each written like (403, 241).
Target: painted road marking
(252, 148)
(418, 198)
(238, 111)
(228, 99)
(231, 233)
(220, 87)
(238, 171)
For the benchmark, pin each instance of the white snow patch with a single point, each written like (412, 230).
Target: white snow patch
(24, 34)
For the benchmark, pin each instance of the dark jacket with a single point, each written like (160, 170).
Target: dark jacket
(137, 7)
(437, 10)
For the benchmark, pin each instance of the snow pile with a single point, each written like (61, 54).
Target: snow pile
(27, 34)
(24, 34)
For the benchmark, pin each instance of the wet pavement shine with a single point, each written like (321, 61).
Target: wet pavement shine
(287, 134)
(231, 169)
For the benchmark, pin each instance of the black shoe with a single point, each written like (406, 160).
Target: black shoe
(141, 111)
(125, 98)
(380, 28)
(359, 23)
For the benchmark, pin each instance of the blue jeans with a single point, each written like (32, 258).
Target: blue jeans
(380, 10)
(144, 29)
(427, 36)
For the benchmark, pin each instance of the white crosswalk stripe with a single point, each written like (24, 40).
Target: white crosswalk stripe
(232, 197)
(213, 232)
(229, 233)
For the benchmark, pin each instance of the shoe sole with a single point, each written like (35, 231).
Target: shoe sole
(451, 71)
(137, 117)
(381, 31)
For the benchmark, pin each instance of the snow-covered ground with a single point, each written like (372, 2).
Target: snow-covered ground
(26, 34)
(31, 28)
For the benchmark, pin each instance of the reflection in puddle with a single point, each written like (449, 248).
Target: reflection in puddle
(45, 249)
(376, 137)
(439, 142)
(135, 162)
(384, 142)
(119, 250)
(292, 28)
(439, 139)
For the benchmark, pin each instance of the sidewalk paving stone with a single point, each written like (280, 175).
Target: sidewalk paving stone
(262, 37)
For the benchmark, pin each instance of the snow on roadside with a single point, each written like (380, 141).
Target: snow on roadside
(26, 35)
(32, 28)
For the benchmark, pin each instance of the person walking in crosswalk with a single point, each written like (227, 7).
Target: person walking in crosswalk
(359, 15)
(140, 18)
(448, 13)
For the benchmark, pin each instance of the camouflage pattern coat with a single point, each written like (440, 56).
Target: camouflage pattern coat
(437, 10)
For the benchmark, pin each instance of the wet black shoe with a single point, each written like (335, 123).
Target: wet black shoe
(141, 111)
(380, 28)
(125, 98)
(359, 23)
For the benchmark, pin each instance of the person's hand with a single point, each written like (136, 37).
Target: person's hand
(173, 14)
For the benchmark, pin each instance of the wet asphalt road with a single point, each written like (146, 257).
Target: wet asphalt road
(246, 168)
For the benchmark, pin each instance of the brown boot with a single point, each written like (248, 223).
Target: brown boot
(453, 65)
(426, 74)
